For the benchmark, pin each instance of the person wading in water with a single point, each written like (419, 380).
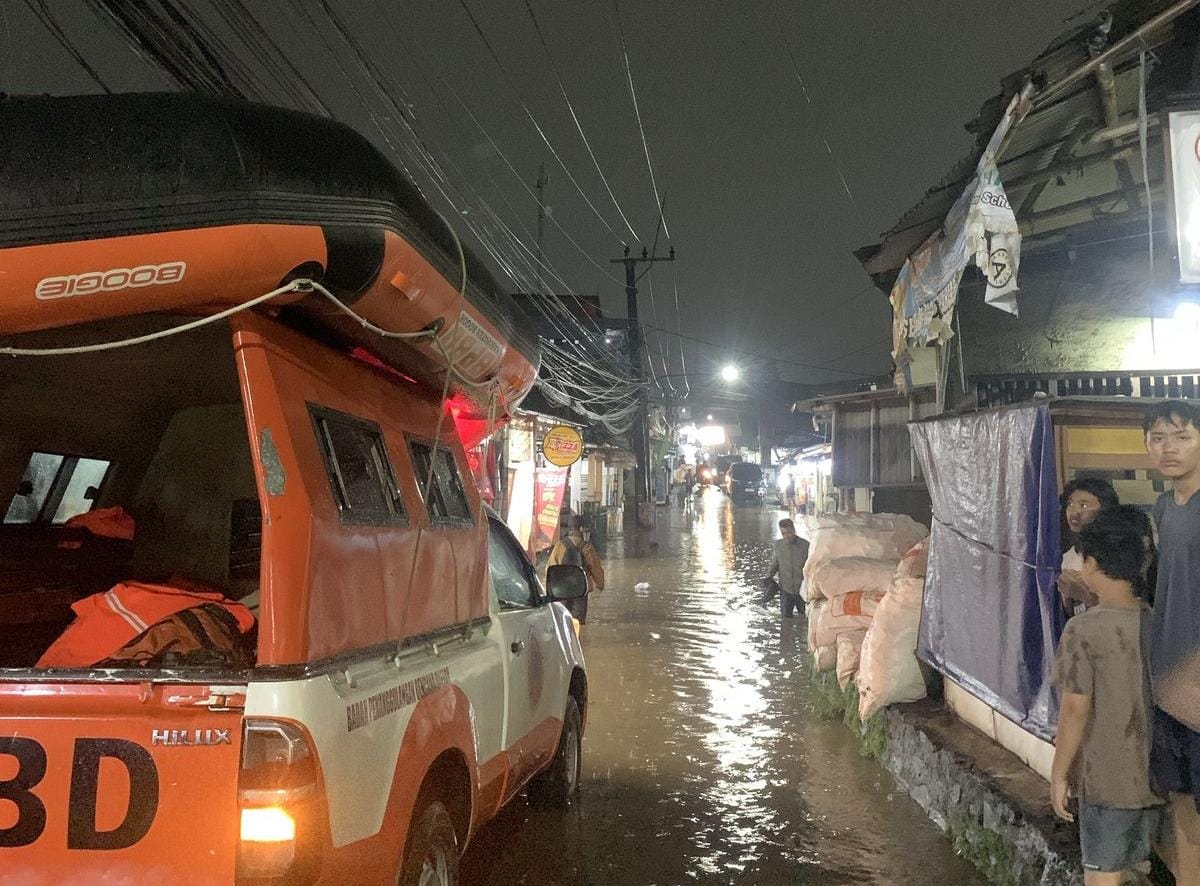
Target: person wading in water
(575, 550)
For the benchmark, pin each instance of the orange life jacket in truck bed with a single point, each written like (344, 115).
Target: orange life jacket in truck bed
(105, 522)
(106, 623)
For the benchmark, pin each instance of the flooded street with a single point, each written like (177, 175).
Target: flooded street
(702, 760)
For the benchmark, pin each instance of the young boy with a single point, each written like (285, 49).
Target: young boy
(1102, 672)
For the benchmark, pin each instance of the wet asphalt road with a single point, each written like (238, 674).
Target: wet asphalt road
(702, 760)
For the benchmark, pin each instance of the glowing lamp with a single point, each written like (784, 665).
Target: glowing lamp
(269, 825)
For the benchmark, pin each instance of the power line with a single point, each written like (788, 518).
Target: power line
(508, 260)
(520, 178)
(638, 114)
(40, 9)
(858, 351)
(682, 361)
(532, 119)
(206, 61)
(254, 37)
(820, 128)
(8, 42)
(575, 117)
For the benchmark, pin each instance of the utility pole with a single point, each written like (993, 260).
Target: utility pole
(766, 427)
(641, 421)
(542, 181)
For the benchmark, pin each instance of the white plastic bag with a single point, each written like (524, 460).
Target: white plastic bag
(825, 658)
(888, 672)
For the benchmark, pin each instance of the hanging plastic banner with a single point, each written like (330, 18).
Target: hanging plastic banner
(994, 240)
(551, 483)
(980, 226)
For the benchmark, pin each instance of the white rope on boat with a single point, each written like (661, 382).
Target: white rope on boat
(294, 286)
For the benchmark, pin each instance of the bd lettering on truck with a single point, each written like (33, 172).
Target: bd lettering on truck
(257, 624)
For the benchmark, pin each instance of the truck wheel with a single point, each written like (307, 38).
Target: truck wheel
(555, 787)
(431, 853)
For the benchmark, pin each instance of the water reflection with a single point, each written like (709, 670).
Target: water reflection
(702, 762)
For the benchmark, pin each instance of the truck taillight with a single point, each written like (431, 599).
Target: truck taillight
(280, 805)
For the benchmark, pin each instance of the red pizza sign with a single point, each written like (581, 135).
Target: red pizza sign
(562, 446)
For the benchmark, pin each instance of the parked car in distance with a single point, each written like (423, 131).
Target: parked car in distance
(743, 482)
(721, 466)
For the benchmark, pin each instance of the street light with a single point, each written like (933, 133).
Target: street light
(709, 417)
(728, 373)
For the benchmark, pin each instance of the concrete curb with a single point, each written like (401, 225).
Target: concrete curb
(988, 802)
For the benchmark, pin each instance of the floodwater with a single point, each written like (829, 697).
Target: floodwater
(702, 760)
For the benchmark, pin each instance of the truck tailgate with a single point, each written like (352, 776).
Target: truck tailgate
(104, 782)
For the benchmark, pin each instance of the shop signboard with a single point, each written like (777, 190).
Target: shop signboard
(562, 446)
(1184, 151)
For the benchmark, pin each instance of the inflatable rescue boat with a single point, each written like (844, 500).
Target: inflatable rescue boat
(177, 203)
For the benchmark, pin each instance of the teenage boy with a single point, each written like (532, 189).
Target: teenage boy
(1173, 442)
(1101, 670)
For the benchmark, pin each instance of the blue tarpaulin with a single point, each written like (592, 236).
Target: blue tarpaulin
(991, 615)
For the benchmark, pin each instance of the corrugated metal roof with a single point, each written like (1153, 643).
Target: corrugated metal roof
(1034, 144)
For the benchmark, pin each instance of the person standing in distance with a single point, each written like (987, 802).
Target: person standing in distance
(574, 550)
(1173, 443)
(791, 552)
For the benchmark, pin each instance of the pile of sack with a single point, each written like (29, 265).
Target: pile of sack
(863, 584)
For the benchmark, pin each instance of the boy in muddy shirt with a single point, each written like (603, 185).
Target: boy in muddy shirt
(1104, 722)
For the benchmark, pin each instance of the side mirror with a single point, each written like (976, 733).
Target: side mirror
(565, 582)
(91, 493)
(25, 487)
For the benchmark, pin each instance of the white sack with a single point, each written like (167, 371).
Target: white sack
(849, 649)
(825, 658)
(847, 613)
(889, 673)
(813, 615)
(845, 574)
(915, 562)
(874, 536)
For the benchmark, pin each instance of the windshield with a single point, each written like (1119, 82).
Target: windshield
(746, 472)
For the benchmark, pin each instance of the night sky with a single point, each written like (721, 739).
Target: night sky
(755, 207)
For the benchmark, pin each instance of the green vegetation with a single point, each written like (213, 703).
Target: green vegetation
(994, 857)
(831, 702)
(872, 740)
(828, 702)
